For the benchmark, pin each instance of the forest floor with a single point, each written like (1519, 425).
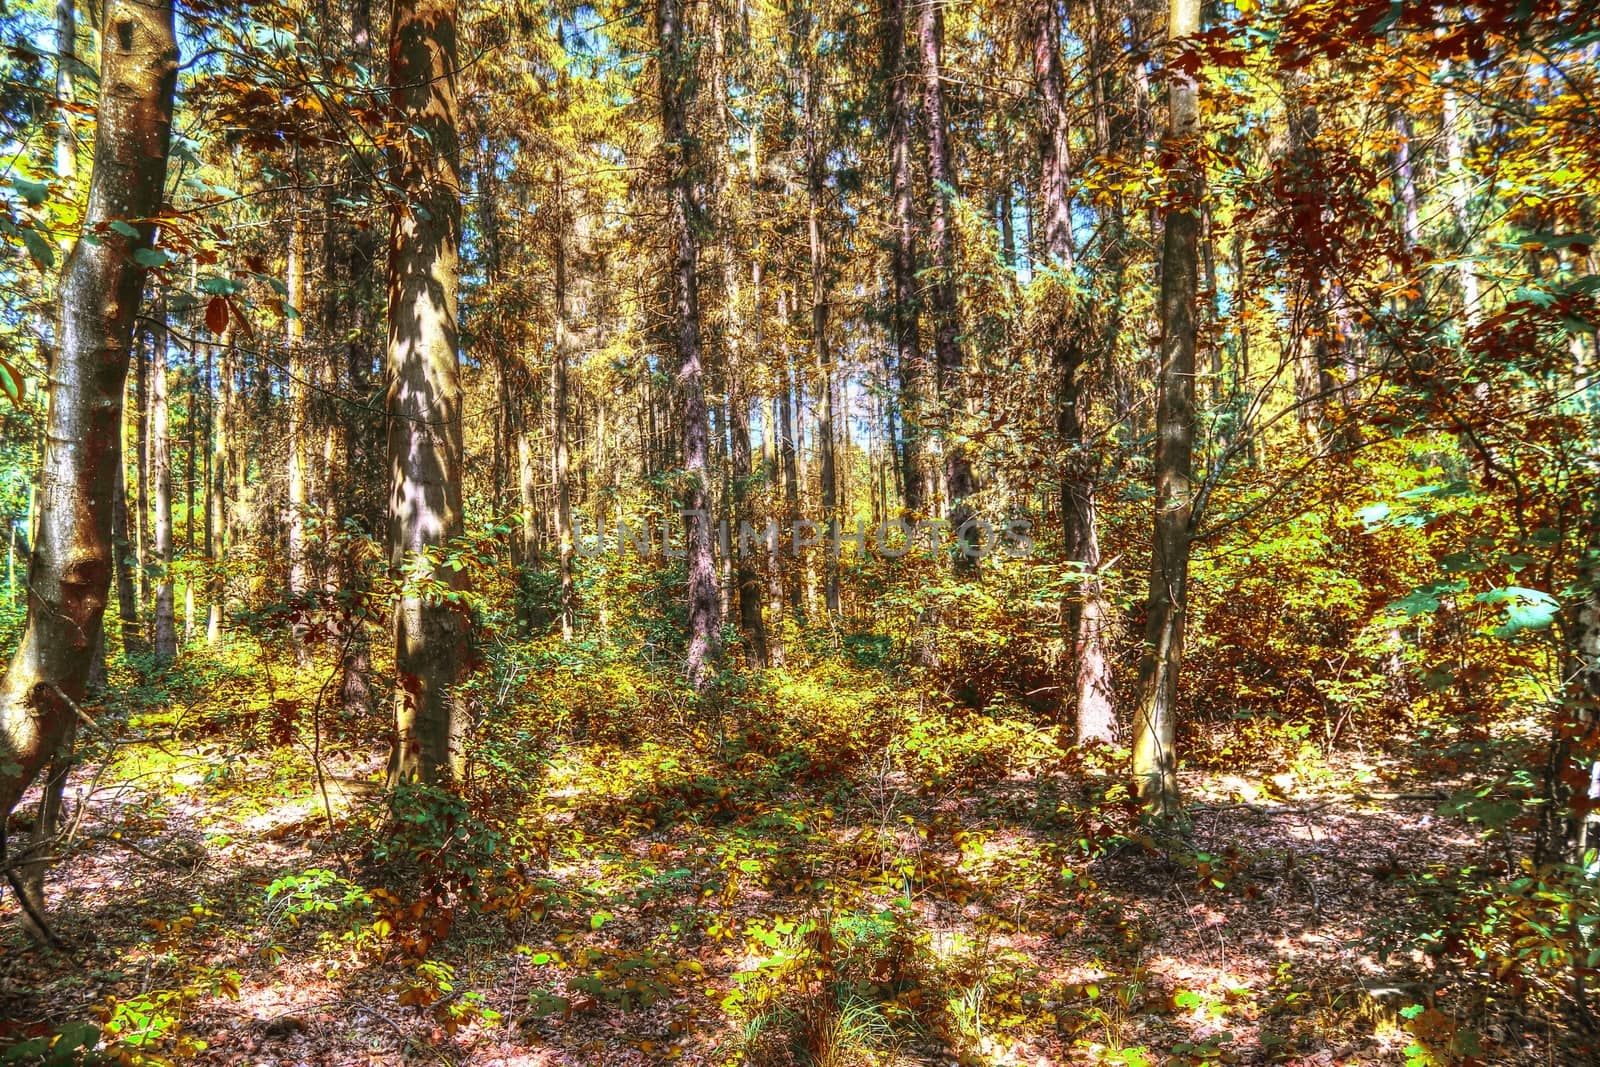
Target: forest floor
(784, 886)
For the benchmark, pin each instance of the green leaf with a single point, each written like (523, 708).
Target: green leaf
(11, 383)
(43, 255)
(151, 257)
(34, 193)
(127, 229)
(1526, 609)
(1424, 599)
(599, 919)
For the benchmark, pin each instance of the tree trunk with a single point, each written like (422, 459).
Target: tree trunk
(220, 527)
(903, 269)
(1309, 310)
(1459, 184)
(299, 370)
(816, 161)
(1054, 146)
(166, 637)
(424, 399)
(1088, 611)
(141, 507)
(677, 89)
(124, 562)
(1155, 763)
(958, 482)
(789, 454)
(66, 56)
(561, 453)
(71, 564)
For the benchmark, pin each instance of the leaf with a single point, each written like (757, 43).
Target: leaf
(1526, 609)
(599, 919)
(151, 257)
(217, 315)
(11, 383)
(34, 193)
(43, 255)
(1424, 599)
(127, 229)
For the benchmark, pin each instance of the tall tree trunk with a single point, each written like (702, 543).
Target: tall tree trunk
(903, 270)
(191, 424)
(424, 401)
(299, 367)
(746, 574)
(566, 227)
(1054, 145)
(1459, 184)
(66, 57)
(1155, 762)
(141, 512)
(1309, 310)
(788, 450)
(70, 569)
(166, 636)
(30, 878)
(124, 562)
(1088, 611)
(958, 482)
(676, 67)
(816, 162)
(217, 550)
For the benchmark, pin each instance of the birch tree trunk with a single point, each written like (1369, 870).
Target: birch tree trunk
(424, 398)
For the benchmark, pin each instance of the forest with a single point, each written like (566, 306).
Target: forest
(800, 533)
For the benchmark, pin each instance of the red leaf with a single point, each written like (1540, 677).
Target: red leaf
(217, 315)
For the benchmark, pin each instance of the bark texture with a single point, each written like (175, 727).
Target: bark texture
(1155, 762)
(424, 399)
(677, 89)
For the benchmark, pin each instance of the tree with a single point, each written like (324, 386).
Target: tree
(904, 325)
(1072, 348)
(424, 396)
(70, 569)
(958, 481)
(677, 80)
(1155, 761)
(165, 645)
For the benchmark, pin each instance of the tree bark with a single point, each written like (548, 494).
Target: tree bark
(165, 644)
(299, 413)
(217, 548)
(903, 268)
(816, 163)
(70, 569)
(958, 481)
(124, 562)
(677, 89)
(1459, 184)
(1088, 611)
(1155, 763)
(66, 56)
(424, 398)
(560, 416)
